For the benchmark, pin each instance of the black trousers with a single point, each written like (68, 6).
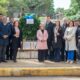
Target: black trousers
(15, 50)
(50, 54)
(2, 53)
(63, 51)
(57, 55)
(15, 44)
(9, 52)
(42, 55)
(75, 55)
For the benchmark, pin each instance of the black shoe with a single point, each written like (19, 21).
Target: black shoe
(14, 61)
(11, 59)
(4, 61)
(7, 59)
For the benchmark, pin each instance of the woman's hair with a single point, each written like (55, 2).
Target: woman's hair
(41, 24)
(15, 22)
(70, 22)
(59, 23)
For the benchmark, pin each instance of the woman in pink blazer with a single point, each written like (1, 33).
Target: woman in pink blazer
(42, 36)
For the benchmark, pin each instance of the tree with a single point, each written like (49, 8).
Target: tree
(75, 4)
(74, 8)
(45, 7)
(34, 6)
(59, 10)
(3, 6)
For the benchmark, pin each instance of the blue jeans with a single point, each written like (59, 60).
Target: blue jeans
(57, 55)
(79, 52)
(70, 55)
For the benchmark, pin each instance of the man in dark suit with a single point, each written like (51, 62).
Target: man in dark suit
(9, 49)
(64, 26)
(76, 25)
(4, 35)
(78, 42)
(49, 28)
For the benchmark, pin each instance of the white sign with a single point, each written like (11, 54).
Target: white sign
(29, 21)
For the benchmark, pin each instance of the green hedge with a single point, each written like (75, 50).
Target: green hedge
(29, 30)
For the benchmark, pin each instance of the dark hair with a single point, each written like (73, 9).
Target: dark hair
(59, 23)
(1, 14)
(72, 22)
(15, 22)
(67, 24)
(49, 16)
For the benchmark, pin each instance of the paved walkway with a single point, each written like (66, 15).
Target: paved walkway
(34, 63)
(39, 78)
(31, 67)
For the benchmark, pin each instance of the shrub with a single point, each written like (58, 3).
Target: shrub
(29, 30)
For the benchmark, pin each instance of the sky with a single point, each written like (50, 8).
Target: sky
(62, 4)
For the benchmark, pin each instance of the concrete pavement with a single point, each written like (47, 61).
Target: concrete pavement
(39, 78)
(34, 68)
(32, 63)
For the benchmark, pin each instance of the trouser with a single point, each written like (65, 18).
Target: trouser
(42, 55)
(63, 51)
(9, 53)
(2, 53)
(50, 54)
(14, 48)
(79, 52)
(70, 55)
(57, 56)
(14, 53)
(75, 55)
(66, 55)
(46, 55)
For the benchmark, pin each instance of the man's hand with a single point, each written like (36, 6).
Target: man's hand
(43, 40)
(5, 36)
(58, 34)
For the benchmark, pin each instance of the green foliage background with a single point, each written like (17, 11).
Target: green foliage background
(73, 13)
(39, 7)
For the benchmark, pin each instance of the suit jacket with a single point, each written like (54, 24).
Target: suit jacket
(64, 26)
(11, 28)
(4, 30)
(16, 41)
(78, 36)
(50, 29)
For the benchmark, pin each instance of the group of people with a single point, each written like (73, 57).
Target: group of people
(59, 42)
(55, 41)
(10, 39)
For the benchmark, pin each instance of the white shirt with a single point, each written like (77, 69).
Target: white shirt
(17, 32)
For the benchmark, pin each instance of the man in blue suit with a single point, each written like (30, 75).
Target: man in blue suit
(9, 47)
(4, 35)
